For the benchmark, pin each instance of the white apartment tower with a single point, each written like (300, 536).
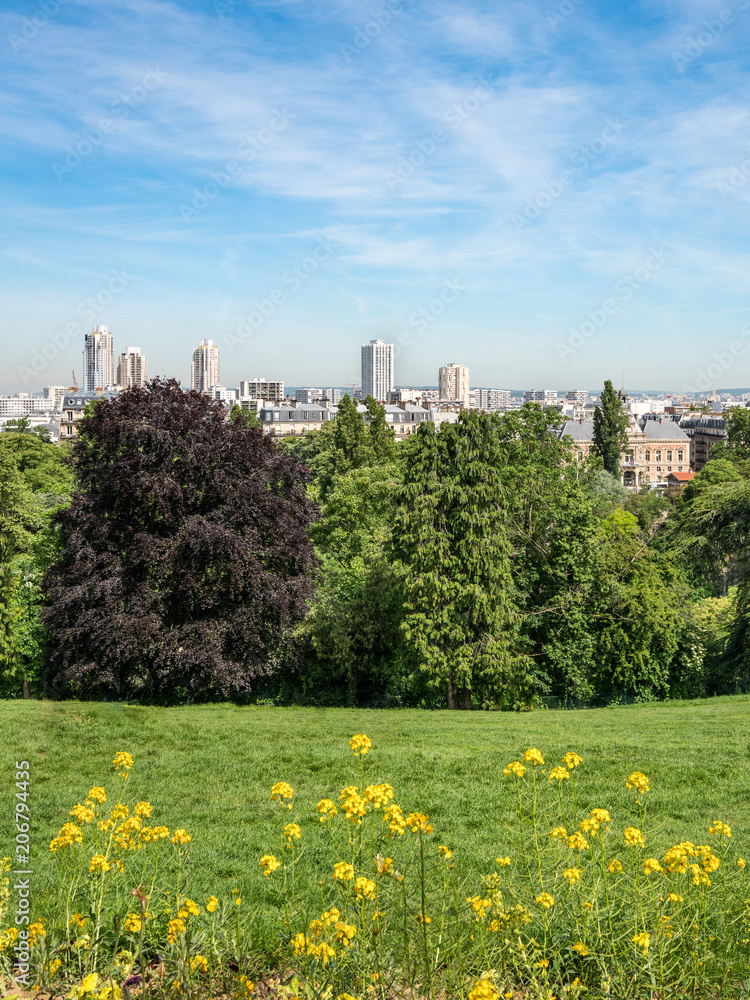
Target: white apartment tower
(98, 360)
(453, 381)
(377, 370)
(206, 371)
(132, 368)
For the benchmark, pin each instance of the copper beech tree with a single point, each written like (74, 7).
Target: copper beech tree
(185, 557)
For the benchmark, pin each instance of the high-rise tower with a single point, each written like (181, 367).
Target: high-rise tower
(132, 368)
(377, 370)
(206, 372)
(98, 360)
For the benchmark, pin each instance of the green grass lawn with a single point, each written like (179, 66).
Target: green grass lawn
(210, 769)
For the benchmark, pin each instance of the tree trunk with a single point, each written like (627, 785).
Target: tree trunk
(25, 687)
(452, 695)
(466, 698)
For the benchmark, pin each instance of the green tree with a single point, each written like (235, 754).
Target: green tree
(382, 437)
(461, 623)
(8, 588)
(610, 430)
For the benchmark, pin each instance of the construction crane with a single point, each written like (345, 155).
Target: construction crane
(75, 382)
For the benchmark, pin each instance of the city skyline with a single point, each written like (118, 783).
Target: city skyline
(551, 193)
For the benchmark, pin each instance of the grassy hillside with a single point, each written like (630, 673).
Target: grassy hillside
(210, 769)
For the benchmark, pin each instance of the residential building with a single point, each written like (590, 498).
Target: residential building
(306, 395)
(54, 393)
(73, 406)
(547, 397)
(206, 370)
(453, 384)
(579, 396)
(294, 418)
(490, 399)
(704, 431)
(261, 388)
(132, 369)
(377, 370)
(330, 395)
(98, 360)
(23, 404)
(655, 448)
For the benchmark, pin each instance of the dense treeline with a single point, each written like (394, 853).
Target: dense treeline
(172, 555)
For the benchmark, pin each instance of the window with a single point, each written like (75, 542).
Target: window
(658, 454)
(648, 454)
(669, 454)
(680, 455)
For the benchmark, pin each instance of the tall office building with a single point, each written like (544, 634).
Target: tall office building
(377, 370)
(453, 382)
(132, 368)
(206, 371)
(579, 396)
(98, 360)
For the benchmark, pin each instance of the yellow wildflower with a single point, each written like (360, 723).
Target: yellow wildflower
(143, 809)
(364, 888)
(483, 990)
(198, 963)
(634, 837)
(699, 876)
(741, 862)
(82, 814)
(445, 852)
(327, 809)
(345, 933)
(651, 865)
(581, 948)
(354, 806)
(180, 836)
(572, 875)
(385, 865)
(545, 900)
(269, 864)
(99, 864)
(559, 774)
(515, 768)
(600, 816)
(343, 871)
(503, 862)
(418, 821)
(88, 985)
(642, 940)
(614, 866)
(423, 919)
(123, 762)
(637, 782)
(577, 842)
(394, 817)
(720, 828)
(78, 919)
(174, 928)
(280, 791)
(673, 897)
(480, 906)
(248, 984)
(589, 826)
(292, 832)
(120, 811)
(211, 903)
(379, 795)
(132, 924)
(110, 993)
(710, 863)
(533, 756)
(571, 760)
(36, 930)
(560, 832)
(360, 744)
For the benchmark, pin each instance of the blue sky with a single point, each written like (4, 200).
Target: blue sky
(552, 194)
